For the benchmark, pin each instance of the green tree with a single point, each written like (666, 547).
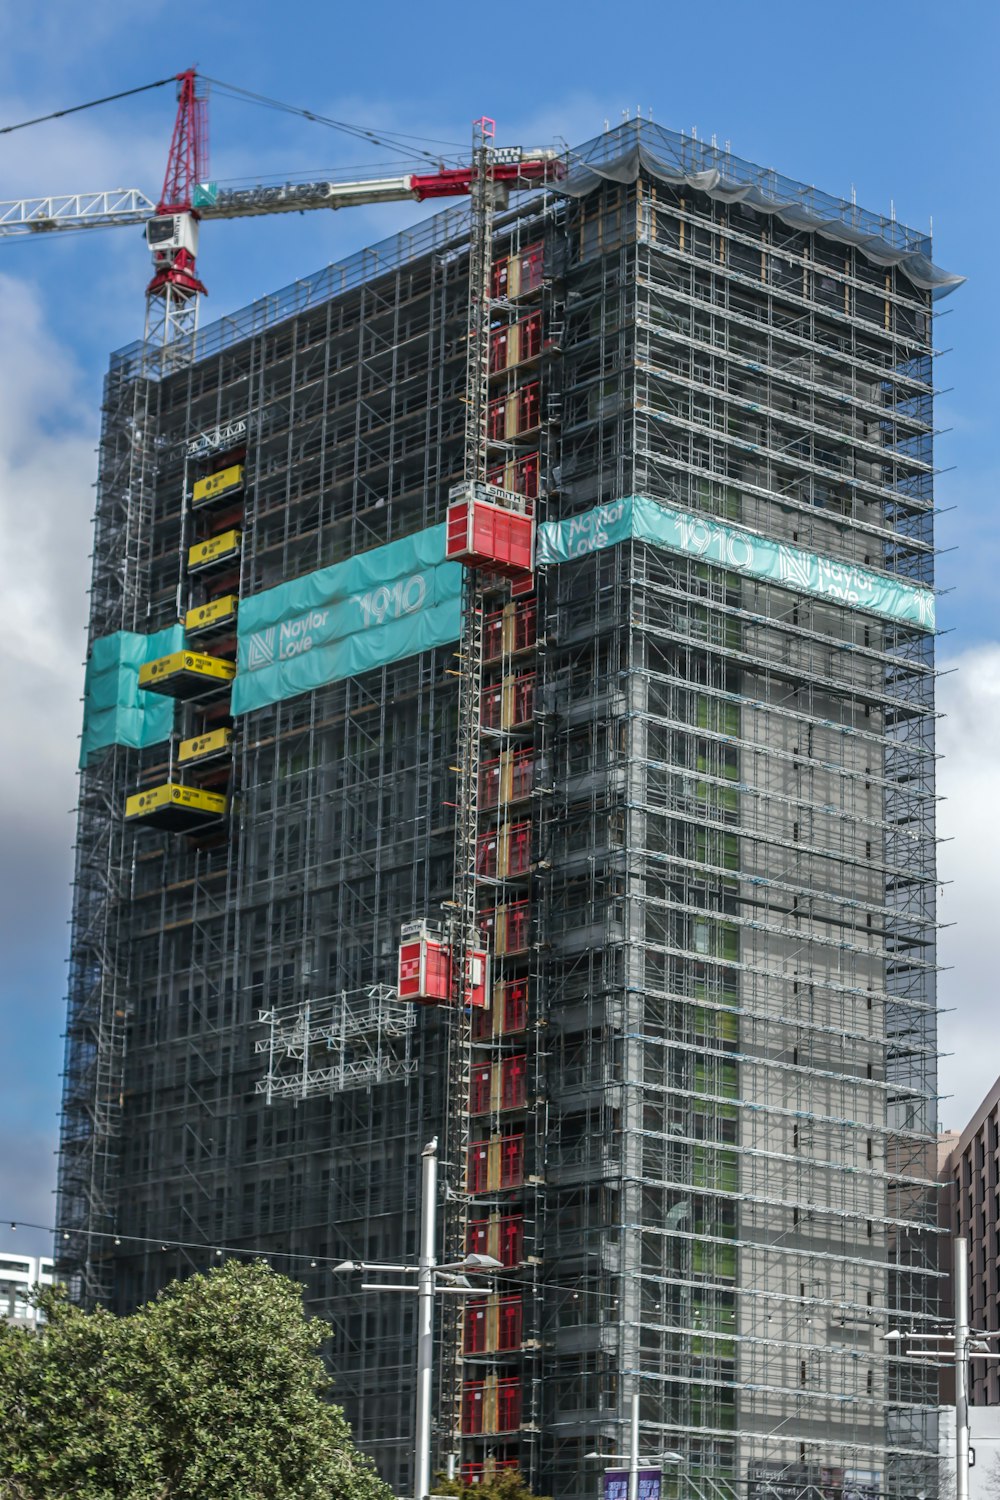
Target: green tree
(508, 1484)
(214, 1391)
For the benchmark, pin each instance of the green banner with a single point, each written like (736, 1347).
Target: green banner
(403, 598)
(115, 710)
(742, 551)
(366, 612)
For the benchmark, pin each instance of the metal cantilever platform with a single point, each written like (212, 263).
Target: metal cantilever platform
(175, 808)
(187, 674)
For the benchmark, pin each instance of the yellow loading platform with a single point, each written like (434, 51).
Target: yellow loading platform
(186, 674)
(215, 615)
(218, 549)
(215, 486)
(174, 808)
(211, 746)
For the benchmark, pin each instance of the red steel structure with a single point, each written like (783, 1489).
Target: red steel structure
(173, 235)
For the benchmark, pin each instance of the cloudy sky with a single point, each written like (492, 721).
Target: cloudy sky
(894, 100)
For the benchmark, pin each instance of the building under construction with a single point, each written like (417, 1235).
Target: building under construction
(692, 1108)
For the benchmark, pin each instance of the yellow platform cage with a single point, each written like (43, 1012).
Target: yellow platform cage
(175, 808)
(187, 674)
(224, 482)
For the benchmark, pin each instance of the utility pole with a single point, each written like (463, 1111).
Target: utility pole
(961, 1369)
(633, 1450)
(960, 1347)
(431, 1281)
(425, 1320)
(632, 1458)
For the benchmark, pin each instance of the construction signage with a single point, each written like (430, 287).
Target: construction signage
(373, 609)
(742, 551)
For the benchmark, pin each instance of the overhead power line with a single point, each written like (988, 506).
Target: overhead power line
(162, 1243)
(59, 114)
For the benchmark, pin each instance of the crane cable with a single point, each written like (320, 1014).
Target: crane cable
(75, 109)
(396, 140)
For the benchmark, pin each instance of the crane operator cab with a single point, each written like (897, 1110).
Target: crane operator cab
(169, 234)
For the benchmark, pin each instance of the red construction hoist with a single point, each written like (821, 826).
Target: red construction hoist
(490, 530)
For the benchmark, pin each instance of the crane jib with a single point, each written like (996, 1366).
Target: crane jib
(212, 202)
(208, 201)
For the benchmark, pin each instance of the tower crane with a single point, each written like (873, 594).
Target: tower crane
(187, 197)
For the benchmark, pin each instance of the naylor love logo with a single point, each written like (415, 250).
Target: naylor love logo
(793, 567)
(281, 643)
(260, 650)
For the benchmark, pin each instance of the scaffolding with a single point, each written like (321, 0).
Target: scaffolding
(336, 1044)
(696, 1121)
(98, 1003)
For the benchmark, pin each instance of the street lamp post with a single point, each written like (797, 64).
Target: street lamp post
(961, 1370)
(966, 1344)
(425, 1320)
(633, 1449)
(427, 1286)
(635, 1463)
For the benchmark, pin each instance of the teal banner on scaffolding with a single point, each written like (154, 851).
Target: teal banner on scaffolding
(115, 710)
(403, 598)
(742, 551)
(373, 609)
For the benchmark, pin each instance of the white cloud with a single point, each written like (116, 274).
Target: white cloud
(969, 821)
(48, 434)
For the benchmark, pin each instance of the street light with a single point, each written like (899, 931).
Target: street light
(632, 1457)
(454, 1283)
(965, 1344)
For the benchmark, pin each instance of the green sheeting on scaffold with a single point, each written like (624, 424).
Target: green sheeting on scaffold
(373, 609)
(403, 598)
(115, 710)
(742, 551)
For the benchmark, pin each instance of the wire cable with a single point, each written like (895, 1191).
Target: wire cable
(75, 109)
(168, 1243)
(394, 140)
(315, 1262)
(325, 1262)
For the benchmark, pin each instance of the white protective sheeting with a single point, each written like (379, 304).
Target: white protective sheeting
(682, 161)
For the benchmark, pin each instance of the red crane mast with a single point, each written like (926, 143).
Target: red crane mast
(172, 294)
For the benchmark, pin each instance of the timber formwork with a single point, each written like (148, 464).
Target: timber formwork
(701, 1108)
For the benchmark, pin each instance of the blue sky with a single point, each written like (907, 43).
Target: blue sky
(897, 100)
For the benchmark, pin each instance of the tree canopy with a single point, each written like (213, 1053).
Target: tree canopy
(506, 1484)
(214, 1391)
